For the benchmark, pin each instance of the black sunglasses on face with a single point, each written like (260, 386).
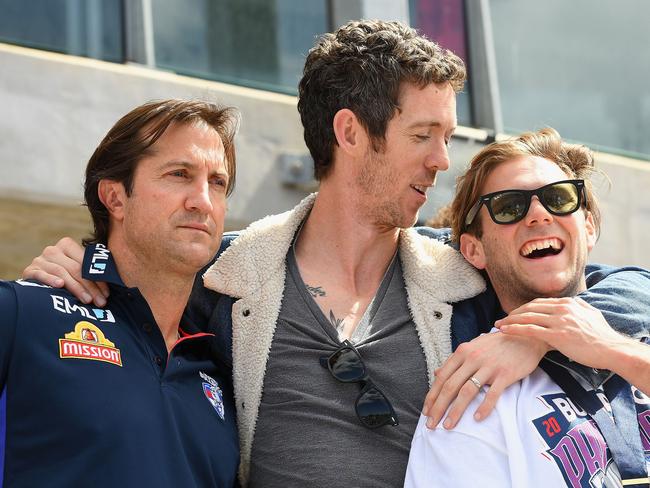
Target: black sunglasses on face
(510, 206)
(372, 407)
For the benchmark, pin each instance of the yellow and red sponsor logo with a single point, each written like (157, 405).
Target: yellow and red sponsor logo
(87, 341)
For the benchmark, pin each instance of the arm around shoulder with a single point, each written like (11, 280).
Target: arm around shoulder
(622, 295)
(631, 361)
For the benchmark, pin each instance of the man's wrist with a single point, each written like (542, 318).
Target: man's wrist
(542, 347)
(628, 358)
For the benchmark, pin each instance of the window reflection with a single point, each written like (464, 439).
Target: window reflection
(444, 22)
(90, 28)
(580, 69)
(258, 43)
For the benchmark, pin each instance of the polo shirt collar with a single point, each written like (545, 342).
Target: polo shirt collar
(98, 265)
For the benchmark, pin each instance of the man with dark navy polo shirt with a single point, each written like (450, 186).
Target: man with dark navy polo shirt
(130, 394)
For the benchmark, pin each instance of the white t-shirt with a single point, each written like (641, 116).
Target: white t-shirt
(536, 437)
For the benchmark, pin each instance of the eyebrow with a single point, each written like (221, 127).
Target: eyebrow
(189, 165)
(427, 123)
(177, 162)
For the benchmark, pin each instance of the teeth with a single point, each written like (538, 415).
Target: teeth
(552, 243)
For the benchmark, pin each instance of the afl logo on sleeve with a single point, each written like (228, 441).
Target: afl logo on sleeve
(213, 393)
(87, 341)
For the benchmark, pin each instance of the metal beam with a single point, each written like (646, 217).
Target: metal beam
(483, 78)
(139, 36)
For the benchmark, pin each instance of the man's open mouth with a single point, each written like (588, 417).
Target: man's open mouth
(542, 248)
(422, 189)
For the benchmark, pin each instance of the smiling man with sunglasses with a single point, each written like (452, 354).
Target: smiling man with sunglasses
(525, 213)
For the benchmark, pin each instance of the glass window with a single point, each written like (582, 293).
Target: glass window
(90, 28)
(580, 68)
(444, 22)
(260, 43)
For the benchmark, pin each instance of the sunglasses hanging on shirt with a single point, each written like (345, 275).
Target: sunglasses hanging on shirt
(372, 406)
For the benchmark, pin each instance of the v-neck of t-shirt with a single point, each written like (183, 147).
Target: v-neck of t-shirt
(363, 329)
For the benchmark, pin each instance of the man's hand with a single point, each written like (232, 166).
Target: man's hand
(493, 359)
(570, 325)
(60, 266)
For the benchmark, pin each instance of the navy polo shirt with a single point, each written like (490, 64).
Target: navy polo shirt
(94, 399)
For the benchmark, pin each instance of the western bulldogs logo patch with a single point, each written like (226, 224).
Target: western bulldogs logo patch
(213, 393)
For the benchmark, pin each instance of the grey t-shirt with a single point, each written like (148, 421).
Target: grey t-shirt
(307, 431)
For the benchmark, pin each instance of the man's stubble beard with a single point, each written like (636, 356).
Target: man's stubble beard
(507, 284)
(374, 182)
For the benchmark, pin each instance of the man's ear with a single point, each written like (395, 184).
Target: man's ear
(472, 249)
(350, 135)
(113, 195)
(590, 227)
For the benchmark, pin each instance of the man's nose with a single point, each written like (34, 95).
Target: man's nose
(537, 213)
(198, 198)
(438, 159)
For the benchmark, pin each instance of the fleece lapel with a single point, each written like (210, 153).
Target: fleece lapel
(253, 270)
(436, 276)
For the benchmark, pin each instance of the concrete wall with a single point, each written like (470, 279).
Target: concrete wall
(625, 205)
(56, 108)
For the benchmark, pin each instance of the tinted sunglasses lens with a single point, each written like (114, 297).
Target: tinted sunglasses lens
(346, 366)
(561, 198)
(508, 206)
(373, 408)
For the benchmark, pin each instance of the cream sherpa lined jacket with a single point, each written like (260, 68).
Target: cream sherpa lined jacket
(253, 271)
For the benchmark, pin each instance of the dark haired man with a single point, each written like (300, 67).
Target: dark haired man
(129, 394)
(525, 213)
(342, 280)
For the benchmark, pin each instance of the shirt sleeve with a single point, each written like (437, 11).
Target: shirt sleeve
(8, 317)
(623, 297)
(469, 455)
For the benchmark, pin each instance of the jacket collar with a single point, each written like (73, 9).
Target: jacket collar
(259, 252)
